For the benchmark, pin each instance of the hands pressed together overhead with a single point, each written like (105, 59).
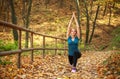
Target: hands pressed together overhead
(77, 25)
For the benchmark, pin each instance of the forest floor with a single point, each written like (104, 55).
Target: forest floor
(90, 65)
(56, 67)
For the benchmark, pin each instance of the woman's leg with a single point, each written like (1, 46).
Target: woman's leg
(70, 59)
(74, 61)
(75, 58)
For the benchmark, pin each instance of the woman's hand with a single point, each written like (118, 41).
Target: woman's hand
(78, 29)
(74, 14)
(69, 25)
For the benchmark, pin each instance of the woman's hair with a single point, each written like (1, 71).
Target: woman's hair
(73, 29)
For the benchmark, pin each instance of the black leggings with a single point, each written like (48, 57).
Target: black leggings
(72, 60)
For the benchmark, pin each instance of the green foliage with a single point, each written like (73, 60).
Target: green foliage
(115, 43)
(102, 47)
(8, 46)
(1, 45)
(84, 47)
(4, 62)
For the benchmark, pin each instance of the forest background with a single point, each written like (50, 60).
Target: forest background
(99, 27)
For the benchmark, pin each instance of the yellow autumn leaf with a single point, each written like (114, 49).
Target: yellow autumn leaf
(9, 69)
(59, 78)
(66, 77)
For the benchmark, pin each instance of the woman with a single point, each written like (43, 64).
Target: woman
(73, 36)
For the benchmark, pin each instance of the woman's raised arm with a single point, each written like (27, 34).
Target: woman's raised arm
(78, 27)
(69, 25)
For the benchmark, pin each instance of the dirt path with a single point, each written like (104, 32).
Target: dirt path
(87, 66)
(58, 67)
(55, 67)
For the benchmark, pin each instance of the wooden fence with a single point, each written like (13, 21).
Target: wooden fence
(32, 33)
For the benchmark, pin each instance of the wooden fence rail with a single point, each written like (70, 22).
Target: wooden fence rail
(32, 33)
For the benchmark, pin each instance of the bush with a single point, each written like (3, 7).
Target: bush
(1, 45)
(8, 46)
(115, 43)
(5, 62)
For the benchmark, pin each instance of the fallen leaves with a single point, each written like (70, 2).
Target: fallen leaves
(57, 67)
(110, 68)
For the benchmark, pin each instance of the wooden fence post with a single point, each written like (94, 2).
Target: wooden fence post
(55, 46)
(31, 41)
(43, 46)
(19, 47)
(20, 50)
(65, 47)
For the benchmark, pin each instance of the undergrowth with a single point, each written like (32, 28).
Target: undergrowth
(115, 43)
(4, 62)
(7, 46)
(111, 66)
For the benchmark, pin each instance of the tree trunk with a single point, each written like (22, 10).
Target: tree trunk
(71, 6)
(87, 24)
(14, 19)
(1, 6)
(25, 16)
(47, 2)
(110, 16)
(7, 12)
(61, 3)
(113, 5)
(104, 12)
(94, 23)
(91, 6)
(28, 21)
(4, 5)
(78, 18)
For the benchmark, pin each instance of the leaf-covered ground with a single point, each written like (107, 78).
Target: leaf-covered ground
(55, 67)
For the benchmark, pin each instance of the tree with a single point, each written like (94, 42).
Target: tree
(94, 23)
(78, 13)
(61, 3)
(14, 19)
(110, 9)
(91, 6)
(25, 17)
(4, 7)
(46, 2)
(105, 7)
(87, 24)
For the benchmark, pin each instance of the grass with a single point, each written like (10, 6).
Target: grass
(115, 42)
(7, 46)
(5, 62)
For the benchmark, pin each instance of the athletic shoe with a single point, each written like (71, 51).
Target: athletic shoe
(73, 69)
